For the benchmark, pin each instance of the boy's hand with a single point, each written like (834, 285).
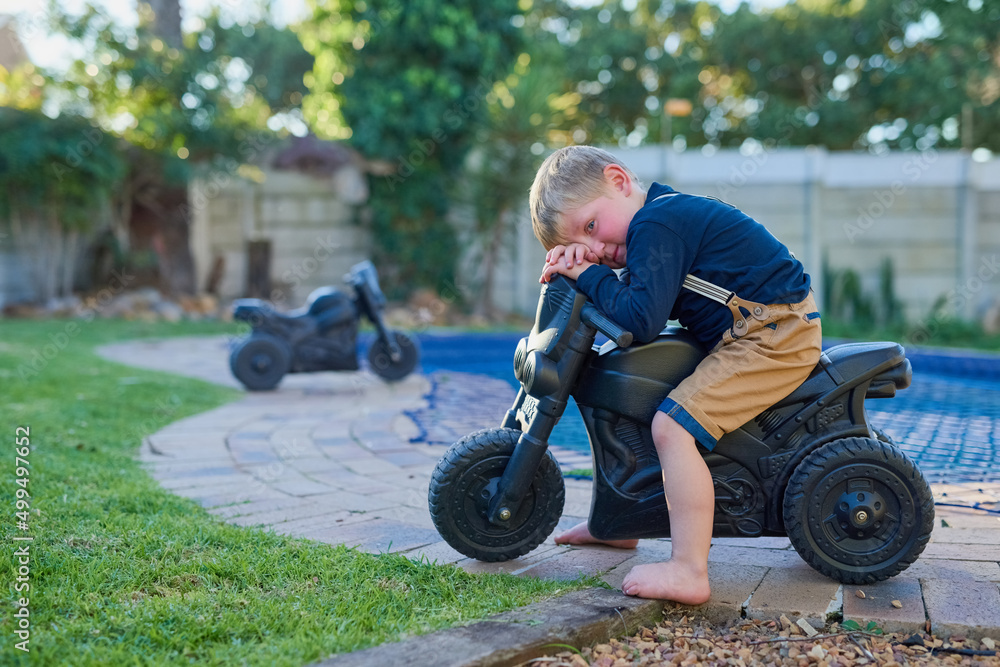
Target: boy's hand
(569, 260)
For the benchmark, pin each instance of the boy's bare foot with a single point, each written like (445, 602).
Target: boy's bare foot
(667, 581)
(580, 534)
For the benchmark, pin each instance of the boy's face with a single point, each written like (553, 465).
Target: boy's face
(602, 223)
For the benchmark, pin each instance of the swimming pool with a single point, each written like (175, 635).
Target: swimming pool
(948, 420)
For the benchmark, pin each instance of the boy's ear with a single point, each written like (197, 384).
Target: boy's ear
(618, 179)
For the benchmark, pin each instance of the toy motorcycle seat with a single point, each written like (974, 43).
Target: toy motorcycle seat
(326, 307)
(319, 300)
(244, 309)
(258, 309)
(853, 359)
(885, 363)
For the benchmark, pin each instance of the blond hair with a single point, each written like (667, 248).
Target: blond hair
(568, 179)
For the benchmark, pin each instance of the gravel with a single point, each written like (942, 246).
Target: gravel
(680, 640)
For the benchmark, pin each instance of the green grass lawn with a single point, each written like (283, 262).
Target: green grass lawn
(122, 572)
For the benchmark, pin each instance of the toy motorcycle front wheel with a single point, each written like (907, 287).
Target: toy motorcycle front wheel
(858, 510)
(466, 479)
(260, 361)
(380, 358)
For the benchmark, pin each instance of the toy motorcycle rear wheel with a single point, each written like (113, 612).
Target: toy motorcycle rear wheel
(381, 362)
(858, 510)
(260, 361)
(465, 481)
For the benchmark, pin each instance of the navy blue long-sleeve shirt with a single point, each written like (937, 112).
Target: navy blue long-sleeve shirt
(674, 236)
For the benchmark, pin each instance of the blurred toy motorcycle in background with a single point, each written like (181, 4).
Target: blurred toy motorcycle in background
(322, 335)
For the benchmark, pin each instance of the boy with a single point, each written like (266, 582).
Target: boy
(762, 327)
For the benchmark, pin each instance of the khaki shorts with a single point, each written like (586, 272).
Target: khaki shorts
(742, 377)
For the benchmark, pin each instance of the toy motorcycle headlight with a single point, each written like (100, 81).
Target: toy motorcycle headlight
(539, 375)
(520, 356)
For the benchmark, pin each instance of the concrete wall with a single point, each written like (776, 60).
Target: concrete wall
(15, 282)
(936, 215)
(308, 220)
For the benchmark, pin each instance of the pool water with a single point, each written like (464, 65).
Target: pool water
(949, 423)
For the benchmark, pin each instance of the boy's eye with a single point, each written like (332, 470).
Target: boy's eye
(590, 226)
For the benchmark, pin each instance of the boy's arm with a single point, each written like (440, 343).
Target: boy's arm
(657, 264)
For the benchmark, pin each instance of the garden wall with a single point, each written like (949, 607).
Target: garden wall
(309, 222)
(15, 283)
(935, 215)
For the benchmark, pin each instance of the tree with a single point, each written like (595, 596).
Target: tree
(523, 110)
(166, 21)
(872, 74)
(203, 103)
(55, 177)
(615, 74)
(946, 84)
(854, 75)
(406, 84)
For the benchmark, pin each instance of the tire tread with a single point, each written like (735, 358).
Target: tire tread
(471, 448)
(822, 459)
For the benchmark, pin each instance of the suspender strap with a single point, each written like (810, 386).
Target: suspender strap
(723, 296)
(698, 285)
(707, 289)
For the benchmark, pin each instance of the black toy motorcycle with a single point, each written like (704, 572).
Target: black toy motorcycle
(320, 336)
(854, 506)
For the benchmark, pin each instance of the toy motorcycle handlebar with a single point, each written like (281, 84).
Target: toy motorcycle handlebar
(588, 313)
(594, 318)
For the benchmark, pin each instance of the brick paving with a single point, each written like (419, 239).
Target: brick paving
(344, 458)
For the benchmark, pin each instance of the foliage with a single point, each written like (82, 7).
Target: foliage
(853, 626)
(851, 75)
(848, 302)
(205, 102)
(413, 86)
(55, 174)
(509, 149)
(199, 101)
(623, 61)
(276, 58)
(874, 74)
(63, 163)
(123, 572)
(936, 329)
(406, 84)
